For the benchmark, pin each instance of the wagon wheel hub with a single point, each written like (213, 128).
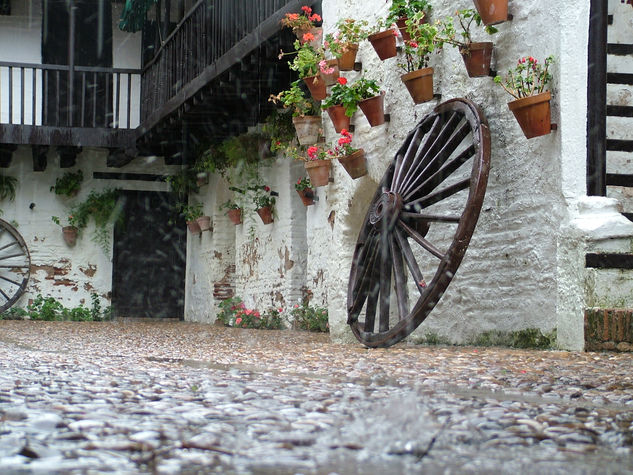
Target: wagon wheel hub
(386, 210)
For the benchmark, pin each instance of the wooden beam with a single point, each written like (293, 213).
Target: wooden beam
(75, 136)
(597, 100)
(6, 154)
(68, 155)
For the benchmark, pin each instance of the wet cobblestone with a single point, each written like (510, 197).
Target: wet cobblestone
(173, 397)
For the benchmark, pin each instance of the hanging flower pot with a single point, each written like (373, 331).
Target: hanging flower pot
(194, 227)
(330, 71)
(533, 114)
(374, 109)
(235, 215)
(316, 85)
(307, 196)
(419, 83)
(384, 43)
(204, 222)
(70, 235)
(266, 214)
(308, 128)
(492, 11)
(401, 23)
(319, 171)
(477, 58)
(355, 164)
(348, 58)
(338, 117)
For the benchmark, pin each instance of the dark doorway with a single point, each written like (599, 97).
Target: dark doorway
(148, 265)
(92, 46)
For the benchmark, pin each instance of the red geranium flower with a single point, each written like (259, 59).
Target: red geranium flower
(342, 81)
(308, 37)
(306, 9)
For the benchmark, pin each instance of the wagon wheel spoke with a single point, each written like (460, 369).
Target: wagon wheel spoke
(417, 237)
(15, 265)
(412, 264)
(433, 150)
(419, 208)
(400, 279)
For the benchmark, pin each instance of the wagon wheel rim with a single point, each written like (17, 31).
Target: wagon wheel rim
(15, 265)
(428, 174)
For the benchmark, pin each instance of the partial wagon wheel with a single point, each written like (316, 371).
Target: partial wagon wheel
(15, 265)
(419, 223)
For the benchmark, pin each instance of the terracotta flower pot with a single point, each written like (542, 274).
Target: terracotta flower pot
(374, 109)
(204, 222)
(419, 83)
(348, 58)
(401, 23)
(338, 117)
(384, 43)
(355, 164)
(492, 11)
(477, 58)
(316, 85)
(330, 79)
(319, 171)
(307, 196)
(235, 215)
(533, 114)
(317, 32)
(202, 179)
(308, 128)
(70, 235)
(266, 213)
(194, 227)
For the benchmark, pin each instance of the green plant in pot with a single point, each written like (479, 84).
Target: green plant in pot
(70, 228)
(305, 112)
(279, 129)
(476, 55)
(343, 44)
(418, 77)
(401, 10)
(264, 203)
(191, 213)
(306, 64)
(341, 104)
(68, 184)
(370, 100)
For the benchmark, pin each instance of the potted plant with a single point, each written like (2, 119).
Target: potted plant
(370, 100)
(192, 213)
(70, 231)
(68, 184)
(264, 204)
(233, 211)
(341, 104)
(344, 43)
(305, 113)
(329, 71)
(492, 11)
(401, 10)
(104, 209)
(352, 159)
(383, 39)
(418, 77)
(305, 191)
(306, 64)
(476, 55)
(303, 24)
(8, 185)
(318, 163)
(531, 107)
(279, 129)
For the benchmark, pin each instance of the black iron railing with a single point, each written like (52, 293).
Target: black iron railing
(57, 95)
(210, 30)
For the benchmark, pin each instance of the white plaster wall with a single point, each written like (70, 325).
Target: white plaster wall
(508, 279)
(69, 274)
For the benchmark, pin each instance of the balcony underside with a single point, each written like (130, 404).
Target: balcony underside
(67, 136)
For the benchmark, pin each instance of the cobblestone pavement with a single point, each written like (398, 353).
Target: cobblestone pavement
(173, 397)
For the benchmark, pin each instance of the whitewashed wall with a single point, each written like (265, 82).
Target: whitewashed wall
(69, 274)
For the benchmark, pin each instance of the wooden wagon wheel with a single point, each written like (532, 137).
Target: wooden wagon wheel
(15, 265)
(419, 223)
